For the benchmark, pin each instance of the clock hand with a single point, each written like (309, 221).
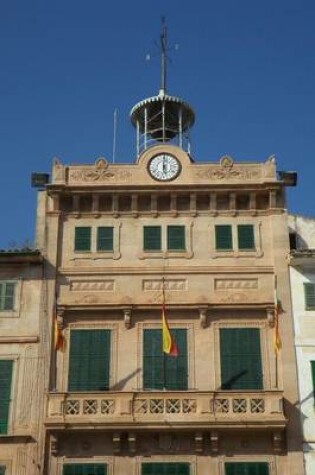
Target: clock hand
(164, 165)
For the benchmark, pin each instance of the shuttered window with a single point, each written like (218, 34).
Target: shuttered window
(246, 240)
(223, 237)
(161, 370)
(152, 238)
(309, 296)
(105, 241)
(7, 295)
(84, 469)
(89, 360)
(162, 468)
(241, 366)
(176, 238)
(313, 376)
(82, 240)
(246, 468)
(6, 367)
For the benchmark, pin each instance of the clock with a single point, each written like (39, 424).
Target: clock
(164, 167)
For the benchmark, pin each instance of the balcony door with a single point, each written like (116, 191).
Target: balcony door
(89, 360)
(240, 356)
(161, 371)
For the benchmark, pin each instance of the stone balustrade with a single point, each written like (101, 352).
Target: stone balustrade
(161, 408)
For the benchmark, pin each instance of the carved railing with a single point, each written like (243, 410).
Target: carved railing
(159, 407)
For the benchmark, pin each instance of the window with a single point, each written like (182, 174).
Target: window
(227, 235)
(105, 238)
(82, 239)
(6, 367)
(176, 238)
(162, 468)
(223, 238)
(7, 295)
(246, 241)
(246, 468)
(2, 470)
(313, 376)
(241, 366)
(84, 469)
(309, 296)
(152, 238)
(89, 360)
(161, 371)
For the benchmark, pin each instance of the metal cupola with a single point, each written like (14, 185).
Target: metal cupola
(162, 118)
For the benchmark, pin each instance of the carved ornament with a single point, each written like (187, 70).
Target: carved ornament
(92, 286)
(100, 172)
(169, 285)
(233, 284)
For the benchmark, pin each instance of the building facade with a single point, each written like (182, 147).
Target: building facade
(204, 240)
(22, 373)
(302, 276)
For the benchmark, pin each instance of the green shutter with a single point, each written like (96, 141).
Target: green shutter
(223, 237)
(309, 295)
(313, 376)
(247, 468)
(2, 470)
(161, 370)
(82, 241)
(105, 238)
(241, 366)
(6, 368)
(176, 238)
(89, 360)
(84, 469)
(7, 295)
(152, 238)
(246, 240)
(162, 468)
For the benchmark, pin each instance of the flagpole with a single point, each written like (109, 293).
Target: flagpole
(163, 310)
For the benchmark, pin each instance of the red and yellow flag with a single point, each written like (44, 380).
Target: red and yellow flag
(277, 308)
(58, 336)
(169, 345)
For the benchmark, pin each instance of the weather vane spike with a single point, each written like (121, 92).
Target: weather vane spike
(163, 39)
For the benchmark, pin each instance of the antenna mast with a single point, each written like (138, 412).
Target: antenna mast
(163, 40)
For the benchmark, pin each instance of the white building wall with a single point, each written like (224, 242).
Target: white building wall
(304, 327)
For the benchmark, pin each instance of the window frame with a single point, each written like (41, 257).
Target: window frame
(246, 462)
(76, 239)
(94, 463)
(235, 251)
(3, 295)
(164, 252)
(145, 237)
(15, 312)
(12, 359)
(94, 252)
(305, 286)
(105, 238)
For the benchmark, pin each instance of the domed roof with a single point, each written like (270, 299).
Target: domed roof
(162, 116)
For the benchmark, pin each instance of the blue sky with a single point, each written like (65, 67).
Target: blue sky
(246, 67)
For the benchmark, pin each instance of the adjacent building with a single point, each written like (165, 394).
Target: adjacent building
(302, 276)
(22, 373)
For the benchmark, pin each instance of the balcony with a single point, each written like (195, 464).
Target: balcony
(159, 409)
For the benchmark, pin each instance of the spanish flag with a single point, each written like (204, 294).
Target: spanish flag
(58, 336)
(277, 310)
(169, 345)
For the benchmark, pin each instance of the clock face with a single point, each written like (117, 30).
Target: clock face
(164, 167)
